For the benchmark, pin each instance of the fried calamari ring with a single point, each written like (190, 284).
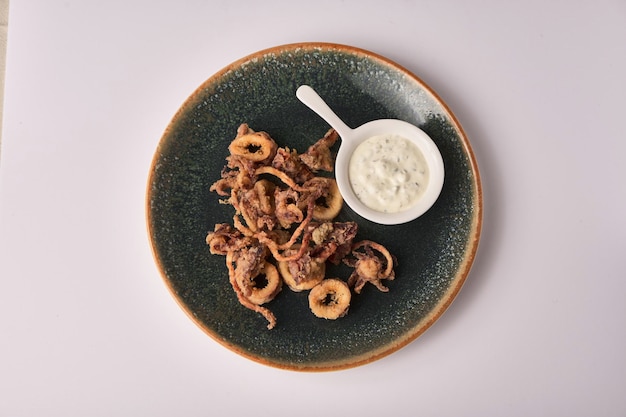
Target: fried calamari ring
(263, 287)
(286, 209)
(318, 270)
(224, 239)
(242, 169)
(330, 299)
(254, 146)
(328, 206)
(302, 273)
(265, 191)
(244, 230)
(281, 176)
(243, 300)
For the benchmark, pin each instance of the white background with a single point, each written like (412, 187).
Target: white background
(87, 326)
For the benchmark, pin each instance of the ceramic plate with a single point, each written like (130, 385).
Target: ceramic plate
(434, 252)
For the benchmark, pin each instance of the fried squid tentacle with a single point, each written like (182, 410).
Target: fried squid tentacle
(372, 265)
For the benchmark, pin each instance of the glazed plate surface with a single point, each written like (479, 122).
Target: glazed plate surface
(434, 252)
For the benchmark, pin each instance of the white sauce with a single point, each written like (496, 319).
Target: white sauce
(388, 173)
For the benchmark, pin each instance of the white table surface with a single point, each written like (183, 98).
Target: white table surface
(4, 24)
(87, 326)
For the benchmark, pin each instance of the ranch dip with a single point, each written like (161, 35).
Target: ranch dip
(388, 173)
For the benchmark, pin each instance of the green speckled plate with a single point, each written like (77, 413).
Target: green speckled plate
(434, 252)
